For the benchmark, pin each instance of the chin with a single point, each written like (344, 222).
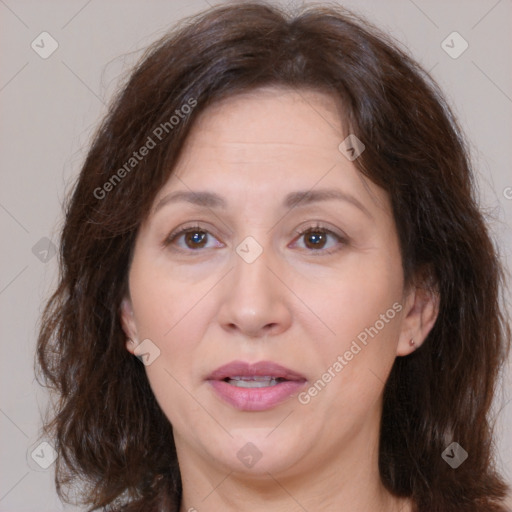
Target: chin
(258, 451)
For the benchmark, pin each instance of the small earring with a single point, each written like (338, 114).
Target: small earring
(133, 343)
(412, 342)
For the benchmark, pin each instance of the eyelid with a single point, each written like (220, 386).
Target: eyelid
(321, 227)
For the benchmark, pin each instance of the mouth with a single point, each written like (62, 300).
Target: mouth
(255, 387)
(254, 382)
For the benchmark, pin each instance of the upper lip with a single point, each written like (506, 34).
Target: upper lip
(259, 369)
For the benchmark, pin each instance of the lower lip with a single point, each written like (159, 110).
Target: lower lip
(256, 399)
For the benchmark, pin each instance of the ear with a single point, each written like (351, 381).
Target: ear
(128, 323)
(420, 314)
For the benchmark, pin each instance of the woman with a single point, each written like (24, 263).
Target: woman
(277, 290)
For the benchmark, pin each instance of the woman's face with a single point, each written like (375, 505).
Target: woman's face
(307, 288)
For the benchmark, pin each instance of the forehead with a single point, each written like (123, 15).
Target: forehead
(272, 115)
(271, 133)
(270, 140)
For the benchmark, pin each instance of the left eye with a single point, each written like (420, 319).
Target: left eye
(316, 239)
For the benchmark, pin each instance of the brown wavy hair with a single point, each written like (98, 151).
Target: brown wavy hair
(114, 443)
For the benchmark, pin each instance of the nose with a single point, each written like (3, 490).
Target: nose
(255, 299)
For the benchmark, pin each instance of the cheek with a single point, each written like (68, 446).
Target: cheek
(168, 312)
(163, 302)
(353, 298)
(363, 314)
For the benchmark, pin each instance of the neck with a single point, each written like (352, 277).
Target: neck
(230, 493)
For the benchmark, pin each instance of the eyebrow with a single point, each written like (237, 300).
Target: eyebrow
(291, 200)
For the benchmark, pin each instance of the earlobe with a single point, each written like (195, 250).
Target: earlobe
(131, 345)
(421, 312)
(128, 324)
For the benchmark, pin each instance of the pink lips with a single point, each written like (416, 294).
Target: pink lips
(255, 399)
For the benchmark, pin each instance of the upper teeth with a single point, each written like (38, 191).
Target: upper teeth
(253, 382)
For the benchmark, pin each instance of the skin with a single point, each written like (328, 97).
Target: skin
(295, 305)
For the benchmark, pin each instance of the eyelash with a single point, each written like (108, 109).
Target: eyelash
(317, 228)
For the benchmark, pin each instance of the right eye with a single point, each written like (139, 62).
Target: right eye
(191, 238)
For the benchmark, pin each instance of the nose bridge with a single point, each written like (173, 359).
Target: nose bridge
(252, 278)
(254, 301)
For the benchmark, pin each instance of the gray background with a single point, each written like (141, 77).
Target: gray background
(50, 107)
